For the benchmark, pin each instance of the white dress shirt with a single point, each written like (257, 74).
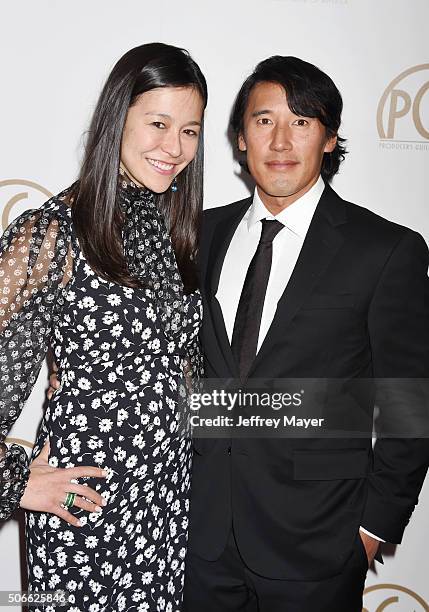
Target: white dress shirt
(287, 245)
(286, 248)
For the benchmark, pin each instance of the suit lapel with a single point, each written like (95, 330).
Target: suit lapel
(222, 237)
(320, 245)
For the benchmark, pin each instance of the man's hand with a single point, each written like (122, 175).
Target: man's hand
(371, 546)
(54, 383)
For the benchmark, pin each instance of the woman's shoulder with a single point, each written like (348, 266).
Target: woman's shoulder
(51, 223)
(59, 205)
(55, 211)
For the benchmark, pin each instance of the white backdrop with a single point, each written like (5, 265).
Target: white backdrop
(56, 55)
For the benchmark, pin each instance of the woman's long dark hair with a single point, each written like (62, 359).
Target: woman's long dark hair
(96, 214)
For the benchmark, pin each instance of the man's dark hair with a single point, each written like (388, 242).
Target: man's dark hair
(310, 93)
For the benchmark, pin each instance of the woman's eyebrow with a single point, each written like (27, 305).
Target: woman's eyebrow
(167, 116)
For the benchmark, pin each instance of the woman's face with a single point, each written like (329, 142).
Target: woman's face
(160, 136)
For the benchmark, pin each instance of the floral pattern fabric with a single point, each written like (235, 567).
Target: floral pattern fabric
(120, 406)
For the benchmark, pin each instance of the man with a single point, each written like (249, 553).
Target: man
(298, 283)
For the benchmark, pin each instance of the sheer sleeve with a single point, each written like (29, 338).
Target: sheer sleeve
(35, 265)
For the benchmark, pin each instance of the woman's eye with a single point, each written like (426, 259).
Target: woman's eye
(158, 124)
(190, 132)
(264, 121)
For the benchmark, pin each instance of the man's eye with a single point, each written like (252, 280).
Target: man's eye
(301, 122)
(158, 124)
(264, 121)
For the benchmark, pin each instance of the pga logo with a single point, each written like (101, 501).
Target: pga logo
(17, 196)
(403, 110)
(394, 598)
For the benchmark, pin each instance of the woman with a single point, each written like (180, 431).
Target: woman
(104, 273)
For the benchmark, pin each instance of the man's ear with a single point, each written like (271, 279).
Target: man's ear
(241, 142)
(330, 145)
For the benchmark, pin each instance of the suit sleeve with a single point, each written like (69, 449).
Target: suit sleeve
(398, 326)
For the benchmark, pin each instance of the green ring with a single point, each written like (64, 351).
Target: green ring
(69, 500)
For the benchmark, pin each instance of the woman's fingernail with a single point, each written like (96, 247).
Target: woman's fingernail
(105, 473)
(98, 509)
(78, 523)
(104, 502)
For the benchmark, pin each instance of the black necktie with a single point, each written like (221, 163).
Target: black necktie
(249, 312)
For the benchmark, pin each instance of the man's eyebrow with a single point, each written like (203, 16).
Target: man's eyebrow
(265, 111)
(166, 116)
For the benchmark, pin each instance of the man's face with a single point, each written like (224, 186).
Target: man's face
(284, 151)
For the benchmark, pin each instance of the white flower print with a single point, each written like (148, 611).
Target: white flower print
(114, 299)
(71, 585)
(87, 302)
(137, 326)
(116, 330)
(118, 408)
(84, 384)
(75, 446)
(85, 571)
(120, 454)
(153, 406)
(105, 425)
(108, 397)
(54, 522)
(158, 387)
(112, 377)
(147, 332)
(147, 578)
(138, 440)
(38, 571)
(99, 457)
(131, 462)
(91, 542)
(155, 344)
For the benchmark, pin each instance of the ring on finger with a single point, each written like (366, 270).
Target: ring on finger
(69, 500)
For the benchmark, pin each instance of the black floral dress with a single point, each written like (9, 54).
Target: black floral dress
(121, 406)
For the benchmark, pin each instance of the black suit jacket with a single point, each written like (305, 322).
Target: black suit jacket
(356, 305)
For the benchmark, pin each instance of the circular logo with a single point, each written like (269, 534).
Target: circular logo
(403, 110)
(392, 597)
(18, 195)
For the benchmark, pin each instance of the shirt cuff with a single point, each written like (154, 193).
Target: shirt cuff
(371, 534)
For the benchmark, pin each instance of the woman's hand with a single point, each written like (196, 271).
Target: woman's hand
(48, 486)
(54, 383)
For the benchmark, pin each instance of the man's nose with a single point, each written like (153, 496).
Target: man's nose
(281, 139)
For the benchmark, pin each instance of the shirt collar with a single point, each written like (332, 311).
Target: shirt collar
(296, 217)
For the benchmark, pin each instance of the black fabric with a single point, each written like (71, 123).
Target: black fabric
(249, 311)
(228, 585)
(149, 253)
(356, 306)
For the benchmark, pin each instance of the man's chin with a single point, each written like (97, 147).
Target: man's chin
(278, 191)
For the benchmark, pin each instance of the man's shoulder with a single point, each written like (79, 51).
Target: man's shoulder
(372, 225)
(212, 217)
(224, 210)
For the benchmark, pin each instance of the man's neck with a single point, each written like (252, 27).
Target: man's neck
(275, 204)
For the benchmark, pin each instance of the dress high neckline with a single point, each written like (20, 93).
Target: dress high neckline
(131, 189)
